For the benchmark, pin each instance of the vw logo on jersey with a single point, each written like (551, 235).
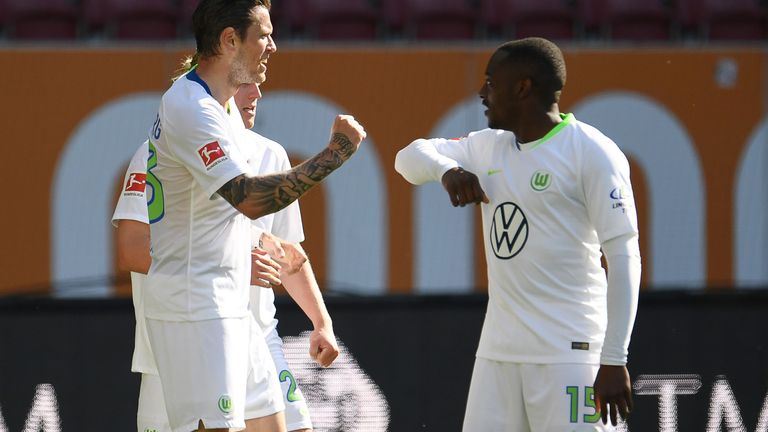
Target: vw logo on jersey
(509, 230)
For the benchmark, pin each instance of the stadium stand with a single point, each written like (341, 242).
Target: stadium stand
(40, 19)
(430, 19)
(725, 19)
(646, 20)
(132, 19)
(368, 20)
(341, 19)
(552, 19)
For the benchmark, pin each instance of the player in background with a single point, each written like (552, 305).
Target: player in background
(268, 156)
(553, 192)
(196, 297)
(280, 234)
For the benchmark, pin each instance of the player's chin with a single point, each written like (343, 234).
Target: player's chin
(261, 74)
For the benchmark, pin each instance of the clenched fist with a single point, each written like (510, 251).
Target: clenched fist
(463, 187)
(346, 136)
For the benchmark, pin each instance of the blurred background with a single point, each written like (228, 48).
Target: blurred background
(680, 85)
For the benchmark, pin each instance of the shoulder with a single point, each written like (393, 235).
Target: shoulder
(490, 136)
(187, 103)
(486, 141)
(141, 155)
(596, 144)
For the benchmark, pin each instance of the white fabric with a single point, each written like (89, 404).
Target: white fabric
(151, 414)
(265, 156)
(197, 377)
(296, 409)
(200, 246)
(132, 205)
(547, 288)
(623, 257)
(520, 397)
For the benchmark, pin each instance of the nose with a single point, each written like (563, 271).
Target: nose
(271, 46)
(257, 92)
(483, 90)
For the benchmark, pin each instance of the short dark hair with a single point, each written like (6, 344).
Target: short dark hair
(543, 60)
(211, 17)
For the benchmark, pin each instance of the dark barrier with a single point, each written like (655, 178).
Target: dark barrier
(699, 363)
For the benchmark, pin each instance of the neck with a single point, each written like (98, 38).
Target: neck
(215, 73)
(536, 126)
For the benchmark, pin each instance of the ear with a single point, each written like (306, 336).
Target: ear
(228, 40)
(524, 88)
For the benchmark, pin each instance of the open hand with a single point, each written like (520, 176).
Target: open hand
(613, 393)
(290, 256)
(265, 272)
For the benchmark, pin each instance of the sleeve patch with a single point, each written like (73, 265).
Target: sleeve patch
(136, 183)
(212, 154)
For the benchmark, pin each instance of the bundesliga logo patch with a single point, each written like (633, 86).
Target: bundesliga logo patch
(136, 183)
(211, 154)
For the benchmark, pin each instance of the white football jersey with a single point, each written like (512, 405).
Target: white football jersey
(200, 243)
(265, 157)
(552, 202)
(132, 205)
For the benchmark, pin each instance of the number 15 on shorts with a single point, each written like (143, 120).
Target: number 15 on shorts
(588, 403)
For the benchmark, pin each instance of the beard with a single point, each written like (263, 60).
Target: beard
(240, 73)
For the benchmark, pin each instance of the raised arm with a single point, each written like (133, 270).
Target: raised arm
(257, 196)
(438, 160)
(421, 162)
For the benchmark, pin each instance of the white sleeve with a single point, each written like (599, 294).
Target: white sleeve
(608, 190)
(426, 160)
(287, 223)
(132, 203)
(205, 143)
(623, 256)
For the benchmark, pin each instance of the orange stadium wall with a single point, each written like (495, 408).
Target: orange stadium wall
(693, 123)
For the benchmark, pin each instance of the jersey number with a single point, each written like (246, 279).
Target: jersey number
(589, 402)
(291, 395)
(156, 204)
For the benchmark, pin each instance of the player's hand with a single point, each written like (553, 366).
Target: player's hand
(463, 187)
(290, 256)
(613, 392)
(322, 346)
(265, 272)
(346, 136)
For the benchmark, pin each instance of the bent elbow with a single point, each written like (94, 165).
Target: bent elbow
(402, 166)
(255, 212)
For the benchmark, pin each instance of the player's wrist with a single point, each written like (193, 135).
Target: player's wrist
(323, 322)
(607, 361)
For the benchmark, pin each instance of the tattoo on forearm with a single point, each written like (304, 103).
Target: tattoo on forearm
(271, 193)
(341, 144)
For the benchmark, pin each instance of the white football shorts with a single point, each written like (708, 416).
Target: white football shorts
(208, 373)
(151, 416)
(520, 397)
(296, 409)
